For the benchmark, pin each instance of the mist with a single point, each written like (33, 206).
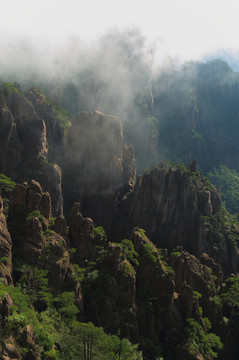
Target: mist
(132, 71)
(119, 62)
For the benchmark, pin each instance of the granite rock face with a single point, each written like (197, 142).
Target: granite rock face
(10, 146)
(81, 233)
(56, 136)
(179, 207)
(131, 285)
(145, 292)
(25, 141)
(34, 240)
(31, 129)
(5, 249)
(169, 205)
(98, 166)
(151, 292)
(95, 146)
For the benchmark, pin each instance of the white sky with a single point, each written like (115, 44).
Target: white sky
(184, 28)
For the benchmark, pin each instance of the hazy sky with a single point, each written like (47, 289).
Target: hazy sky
(183, 28)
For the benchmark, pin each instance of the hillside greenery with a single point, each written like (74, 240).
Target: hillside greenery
(56, 322)
(6, 187)
(180, 113)
(228, 182)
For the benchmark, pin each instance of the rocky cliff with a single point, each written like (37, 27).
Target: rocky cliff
(178, 206)
(5, 249)
(166, 290)
(98, 166)
(34, 240)
(56, 120)
(35, 145)
(25, 140)
(153, 297)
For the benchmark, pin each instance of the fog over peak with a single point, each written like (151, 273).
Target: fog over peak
(117, 57)
(110, 48)
(181, 29)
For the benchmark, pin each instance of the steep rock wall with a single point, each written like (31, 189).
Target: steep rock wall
(34, 241)
(98, 166)
(178, 206)
(5, 249)
(24, 143)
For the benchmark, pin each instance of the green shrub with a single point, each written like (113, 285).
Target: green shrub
(52, 222)
(20, 313)
(220, 229)
(127, 269)
(78, 273)
(93, 275)
(72, 251)
(51, 355)
(198, 341)
(34, 214)
(150, 253)
(228, 182)
(62, 116)
(6, 183)
(175, 253)
(4, 260)
(43, 336)
(16, 321)
(38, 89)
(34, 283)
(196, 295)
(168, 269)
(168, 164)
(6, 187)
(128, 251)
(217, 301)
(65, 305)
(231, 297)
(99, 231)
(9, 89)
(142, 232)
(87, 341)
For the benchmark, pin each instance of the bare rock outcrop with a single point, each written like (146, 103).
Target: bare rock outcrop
(10, 146)
(33, 239)
(169, 204)
(98, 166)
(5, 249)
(179, 207)
(30, 128)
(191, 274)
(155, 288)
(56, 135)
(150, 295)
(29, 215)
(51, 179)
(81, 234)
(196, 274)
(24, 143)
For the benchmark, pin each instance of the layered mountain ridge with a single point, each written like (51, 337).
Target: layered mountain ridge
(161, 291)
